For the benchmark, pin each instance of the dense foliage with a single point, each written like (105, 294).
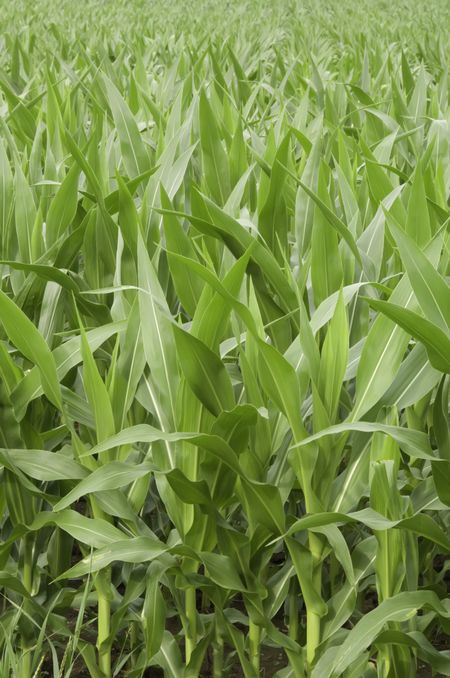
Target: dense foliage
(224, 338)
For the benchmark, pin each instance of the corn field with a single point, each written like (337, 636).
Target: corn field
(224, 339)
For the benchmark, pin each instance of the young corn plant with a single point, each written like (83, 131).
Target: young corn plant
(224, 340)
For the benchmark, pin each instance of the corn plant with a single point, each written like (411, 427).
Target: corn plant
(224, 339)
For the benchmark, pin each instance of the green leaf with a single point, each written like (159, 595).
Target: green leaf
(215, 161)
(421, 524)
(280, 382)
(399, 608)
(158, 340)
(43, 465)
(222, 571)
(135, 157)
(187, 285)
(132, 550)
(143, 433)
(430, 288)
(331, 217)
(333, 363)
(24, 335)
(113, 475)
(63, 206)
(204, 372)
(263, 505)
(440, 419)
(96, 392)
(153, 611)
(433, 338)
(25, 214)
(418, 220)
(272, 221)
(384, 347)
(414, 443)
(66, 356)
(94, 532)
(303, 564)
